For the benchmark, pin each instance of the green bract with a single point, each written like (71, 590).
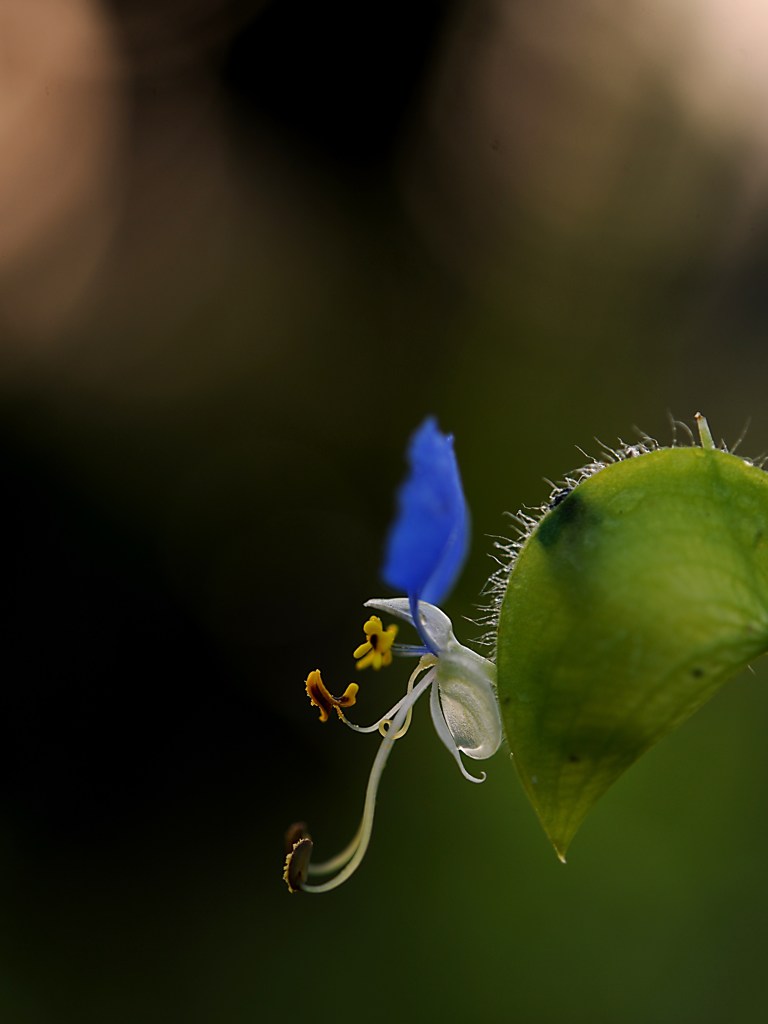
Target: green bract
(631, 601)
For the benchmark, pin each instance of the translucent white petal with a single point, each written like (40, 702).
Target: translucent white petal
(442, 730)
(467, 686)
(400, 607)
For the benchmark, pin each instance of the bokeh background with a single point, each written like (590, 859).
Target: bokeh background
(245, 247)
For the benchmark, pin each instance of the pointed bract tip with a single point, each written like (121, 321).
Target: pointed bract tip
(705, 434)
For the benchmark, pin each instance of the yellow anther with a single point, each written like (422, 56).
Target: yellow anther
(376, 650)
(322, 698)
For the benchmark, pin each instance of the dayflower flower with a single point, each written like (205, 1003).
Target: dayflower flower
(425, 552)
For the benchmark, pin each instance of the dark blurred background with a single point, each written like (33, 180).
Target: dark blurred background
(244, 248)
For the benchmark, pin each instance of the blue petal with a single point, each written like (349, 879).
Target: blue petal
(428, 541)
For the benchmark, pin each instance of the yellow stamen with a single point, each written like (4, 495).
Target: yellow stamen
(322, 698)
(376, 651)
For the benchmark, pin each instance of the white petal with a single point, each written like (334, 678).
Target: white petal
(442, 730)
(467, 685)
(398, 606)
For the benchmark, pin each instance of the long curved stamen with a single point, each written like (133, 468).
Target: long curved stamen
(442, 730)
(351, 857)
(385, 722)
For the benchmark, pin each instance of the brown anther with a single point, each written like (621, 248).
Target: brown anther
(298, 845)
(322, 698)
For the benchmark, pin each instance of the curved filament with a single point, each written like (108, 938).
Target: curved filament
(347, 862)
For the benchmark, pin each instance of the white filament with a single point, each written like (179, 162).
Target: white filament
(351, 856)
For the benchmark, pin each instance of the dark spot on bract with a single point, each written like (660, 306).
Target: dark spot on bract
(564, 515)
(558, 496)
(697, 672)
(574, 758)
